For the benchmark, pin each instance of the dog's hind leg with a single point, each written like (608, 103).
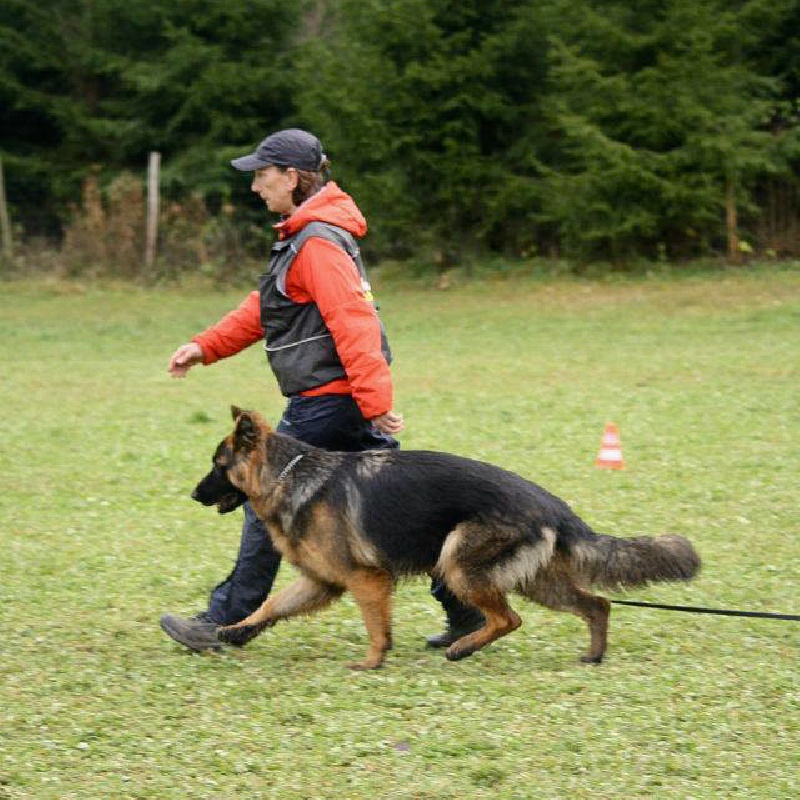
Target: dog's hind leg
(372, 591)
(468, 563)
(500, 620)
(555, 589)
(304, 596)
(596, 611)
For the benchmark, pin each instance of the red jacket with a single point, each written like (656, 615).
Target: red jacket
(324, 274)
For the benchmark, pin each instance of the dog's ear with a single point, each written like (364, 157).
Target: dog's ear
(245, 436)
(236, 412)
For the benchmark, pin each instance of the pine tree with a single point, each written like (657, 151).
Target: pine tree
(87, 83)
(423, 101)
(663, 122)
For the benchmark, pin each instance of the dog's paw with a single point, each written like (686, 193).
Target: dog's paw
(363, 666)
(454, 653)
(238, 636)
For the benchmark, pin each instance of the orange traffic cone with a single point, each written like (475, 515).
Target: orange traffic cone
(610, 455)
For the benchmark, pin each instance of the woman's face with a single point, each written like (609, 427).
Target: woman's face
(275, 188)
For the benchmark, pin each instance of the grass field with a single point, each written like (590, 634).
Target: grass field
(99, 450)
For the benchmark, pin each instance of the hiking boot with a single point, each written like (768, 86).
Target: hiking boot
(467, 622)
(198, 633)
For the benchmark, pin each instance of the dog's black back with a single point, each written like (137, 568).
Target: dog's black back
(410, 501)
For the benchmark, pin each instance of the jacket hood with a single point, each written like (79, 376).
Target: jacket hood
(330, 204)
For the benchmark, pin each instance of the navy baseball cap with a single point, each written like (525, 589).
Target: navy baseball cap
(290, 148)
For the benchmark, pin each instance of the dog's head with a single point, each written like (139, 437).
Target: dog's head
(226, 484)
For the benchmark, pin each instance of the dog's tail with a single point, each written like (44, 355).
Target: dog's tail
(612, 563)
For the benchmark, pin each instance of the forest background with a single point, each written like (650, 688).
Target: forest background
(581, 131)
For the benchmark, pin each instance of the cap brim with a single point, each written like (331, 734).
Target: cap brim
(249, 163)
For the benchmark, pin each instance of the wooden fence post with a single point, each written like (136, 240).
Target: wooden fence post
(153, 204)
(5, 224)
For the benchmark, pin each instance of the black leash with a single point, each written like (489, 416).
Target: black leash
(721, 611)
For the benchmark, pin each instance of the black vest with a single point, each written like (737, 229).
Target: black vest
(299, 345)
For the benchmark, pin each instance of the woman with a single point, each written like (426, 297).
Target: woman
(326, 347)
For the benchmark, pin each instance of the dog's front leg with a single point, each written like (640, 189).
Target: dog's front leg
(304, 596)
(372, 591)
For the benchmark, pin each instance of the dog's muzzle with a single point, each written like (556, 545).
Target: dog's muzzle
(225, 503)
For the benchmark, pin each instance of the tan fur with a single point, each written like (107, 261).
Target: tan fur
(372, 591)
(516, 575)
(304, 596)
(447, 565)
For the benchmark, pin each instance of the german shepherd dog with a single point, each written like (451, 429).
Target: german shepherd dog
(357, 522)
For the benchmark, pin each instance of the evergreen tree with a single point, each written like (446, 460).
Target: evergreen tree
(601, 128)
(663, 122)
(423, 102)
(102, 82)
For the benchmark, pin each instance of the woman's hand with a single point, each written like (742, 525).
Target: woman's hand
(389, 423)
(184, 358)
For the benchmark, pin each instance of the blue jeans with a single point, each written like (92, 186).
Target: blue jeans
(332, 422)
